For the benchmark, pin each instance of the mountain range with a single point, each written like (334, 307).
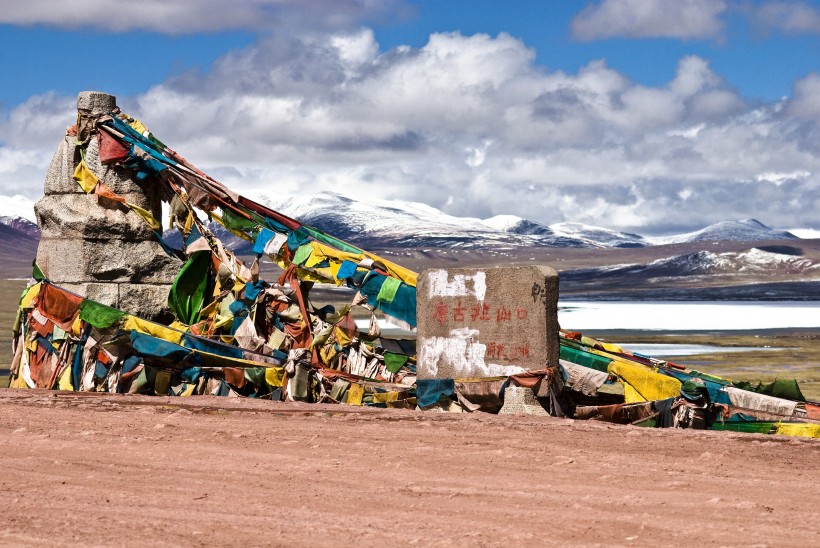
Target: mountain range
(380, 224)
(18, 246)
(729, 260)
(396, 224)
(765, 272)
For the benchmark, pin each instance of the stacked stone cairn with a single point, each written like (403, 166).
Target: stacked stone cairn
(94, 246)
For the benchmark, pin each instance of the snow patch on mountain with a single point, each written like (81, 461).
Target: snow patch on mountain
(601, 236)
(517, 225)
(759, 260)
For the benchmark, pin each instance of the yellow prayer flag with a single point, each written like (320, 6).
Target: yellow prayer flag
(355, 394)
(152, 222)
(646, 383)
(64, 380)
(274, 376)
(31, 294)
(153, 329)
(84, 177)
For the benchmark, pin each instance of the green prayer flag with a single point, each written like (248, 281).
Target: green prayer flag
(394, 362)
(302, 254)
(237, 222)
(388, 290)
(187, 293)
(100, 315)
(36, 273)
(331, 240)
(587, 359)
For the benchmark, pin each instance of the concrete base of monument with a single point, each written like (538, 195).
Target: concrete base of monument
(519, 400)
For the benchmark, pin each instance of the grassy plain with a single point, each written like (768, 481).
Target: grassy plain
(784, 354)
(9, 296)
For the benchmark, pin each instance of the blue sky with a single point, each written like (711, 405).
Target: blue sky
(647, 115)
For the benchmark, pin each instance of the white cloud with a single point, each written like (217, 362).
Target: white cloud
(472, 125)
(806, 233)
(685, 19)
(806, 100)
(189, 16)
(793, 17)
(780, 178)
(29, 135)
(17, 206)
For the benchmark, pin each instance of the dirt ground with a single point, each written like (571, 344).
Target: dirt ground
(96, 469)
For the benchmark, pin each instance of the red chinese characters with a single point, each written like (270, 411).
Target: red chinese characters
(505, 351)
(479, 312)
(441, 312)
(503, 314)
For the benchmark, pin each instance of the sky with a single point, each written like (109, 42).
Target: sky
(649, 116)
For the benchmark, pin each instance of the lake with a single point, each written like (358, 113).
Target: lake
(674, 316)
(689, 316)
(677, 350)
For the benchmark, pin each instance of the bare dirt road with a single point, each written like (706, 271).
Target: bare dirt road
(90, 469)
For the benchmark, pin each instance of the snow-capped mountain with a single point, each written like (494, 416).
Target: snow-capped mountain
(517, 225)
(377, 223)
(21, 224)
(767, 260)
(602, 237)
(382, 223)
(18, 246)
(746, 230)
(16, 206)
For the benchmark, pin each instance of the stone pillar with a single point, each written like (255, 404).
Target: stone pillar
(486, 322)
(97, 247)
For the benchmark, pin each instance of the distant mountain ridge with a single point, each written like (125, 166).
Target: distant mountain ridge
(767, 272)
(757, 260)
(746, 230)
(21, 224)
(398, 224)
(381, 223)
(18, 246)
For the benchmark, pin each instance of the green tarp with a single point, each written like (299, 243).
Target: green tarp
(587, 359)
(756, 427)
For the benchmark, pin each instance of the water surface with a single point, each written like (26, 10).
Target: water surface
(700, 315)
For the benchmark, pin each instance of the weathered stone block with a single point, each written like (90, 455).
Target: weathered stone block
(65, 260)
(59, 178)
(91, 216)
(104, 293)
(146, 301)
(484, 322)
(149, 301)
(96, 102)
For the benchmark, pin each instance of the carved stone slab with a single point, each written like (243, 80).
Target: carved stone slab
(485, 322)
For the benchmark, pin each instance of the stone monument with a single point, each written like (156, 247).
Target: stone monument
(486, 322)
(97, 247)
